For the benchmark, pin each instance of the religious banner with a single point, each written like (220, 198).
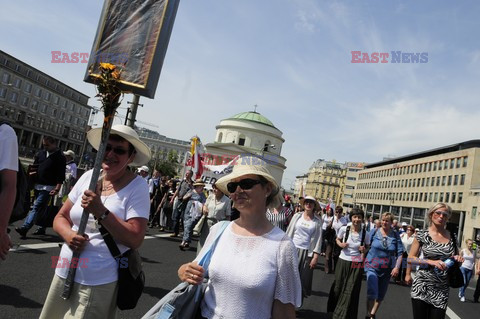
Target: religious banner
(134, 35)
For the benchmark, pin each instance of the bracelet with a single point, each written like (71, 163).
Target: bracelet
(104, 215)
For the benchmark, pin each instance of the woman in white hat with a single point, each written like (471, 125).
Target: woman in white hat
(305, 229)
(253, 271)
(121, 206)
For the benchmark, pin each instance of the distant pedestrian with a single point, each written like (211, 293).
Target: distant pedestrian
(49, 173)
(179, 201)
(468, 267)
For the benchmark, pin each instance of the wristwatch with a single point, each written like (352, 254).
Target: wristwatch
(104, 215)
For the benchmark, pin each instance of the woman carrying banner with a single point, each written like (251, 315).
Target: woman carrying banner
(253, 271)
(121, 205)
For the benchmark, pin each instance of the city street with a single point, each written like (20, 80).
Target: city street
(27, 273)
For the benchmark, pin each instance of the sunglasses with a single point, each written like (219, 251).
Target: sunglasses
(116, 150)
(385, 242)
(309, 202)
(445, 214)
(244, 184)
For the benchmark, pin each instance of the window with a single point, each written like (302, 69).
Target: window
(34, 105)
(423, 181)
(449, 180)
(434, 166)
(3, 93)
(441, 197)
(447, 197)
(462, 179)
(47, 96)
(56, 100)
(428, 181)
(460, 198)
(17, 83)
(435, 197)
(28, 88)
(452, 163)
(474, 213)
(453, 197)
(465, 161)
(429, 166)
(455, 180)
(458, 162)
(438, 180)
(5, 78)
(14, 97)
(24, 101)
(43, 108)
(446, 164)
(430, 196)
(241, 141)
(444, 180)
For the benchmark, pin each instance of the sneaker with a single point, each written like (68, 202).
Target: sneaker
(22, 232)
(462, 299)
(39, 231)
(174, 235)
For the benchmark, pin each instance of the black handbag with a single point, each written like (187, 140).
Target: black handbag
(131, 278)
(47, 215)
(454, 274)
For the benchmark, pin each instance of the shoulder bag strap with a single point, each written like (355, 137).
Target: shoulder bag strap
(207, 255)
(110, 242)
(347, 232)
(362, 241)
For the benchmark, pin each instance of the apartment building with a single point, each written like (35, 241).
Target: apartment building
(408, 186)
(325, 180)
(36, 104)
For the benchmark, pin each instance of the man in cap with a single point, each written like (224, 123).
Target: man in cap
(143, 172)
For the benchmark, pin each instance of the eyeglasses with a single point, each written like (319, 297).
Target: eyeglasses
(244, 184)
(438, 213)
(116, 150)
(309, 202)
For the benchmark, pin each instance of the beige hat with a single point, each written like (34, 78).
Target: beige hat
(198, 182)
(143, 154)
(143, 168)
(317, 205)
(247, 165)
(69, 153)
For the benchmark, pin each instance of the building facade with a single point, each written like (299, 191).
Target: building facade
(325, 180)
(248, 133)
(347, 190)
(408, 186)
(161, 145)
(36, 105)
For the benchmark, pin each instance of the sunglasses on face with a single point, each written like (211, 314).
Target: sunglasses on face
(116, 150)
(244, 184)
(438, 213)
(309, 202)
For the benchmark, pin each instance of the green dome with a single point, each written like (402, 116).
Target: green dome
(252, 116)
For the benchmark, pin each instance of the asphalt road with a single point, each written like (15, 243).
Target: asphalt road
(27, 273)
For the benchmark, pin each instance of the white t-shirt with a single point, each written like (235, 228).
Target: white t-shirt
(247, 273)
(304, 231)
(354, 240)
(8, 148)
(338, 223)
(326, 220)
(98, 266)
(407, 242)
(469, 261)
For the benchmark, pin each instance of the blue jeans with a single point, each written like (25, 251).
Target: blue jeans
(40, 204)
(467, 275)
(177, 215)
(188, 224)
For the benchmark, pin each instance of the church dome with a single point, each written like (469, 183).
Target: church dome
(253, 117)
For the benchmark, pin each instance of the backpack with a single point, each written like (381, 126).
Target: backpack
(21, 206)
(347, 233)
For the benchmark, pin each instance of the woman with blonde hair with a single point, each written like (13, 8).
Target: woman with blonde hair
(383, 261)
(467, 268)
(253, 272)
(430, 286)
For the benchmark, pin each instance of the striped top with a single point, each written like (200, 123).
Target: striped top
(280, 219)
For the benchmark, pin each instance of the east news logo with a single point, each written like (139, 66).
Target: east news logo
(395, 57)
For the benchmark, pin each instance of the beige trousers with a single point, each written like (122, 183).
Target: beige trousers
(85, 302)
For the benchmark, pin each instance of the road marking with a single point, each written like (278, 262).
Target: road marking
(19, 247)
(451, 314)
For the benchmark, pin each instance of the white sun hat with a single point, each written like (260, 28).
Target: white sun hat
(143, 153)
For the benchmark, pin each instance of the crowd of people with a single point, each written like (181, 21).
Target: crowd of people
(278, 243)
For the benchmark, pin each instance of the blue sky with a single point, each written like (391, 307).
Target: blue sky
(293, 59)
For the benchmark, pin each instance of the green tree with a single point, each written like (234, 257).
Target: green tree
(167, 165)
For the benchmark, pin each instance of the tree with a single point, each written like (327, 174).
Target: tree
(167, 166)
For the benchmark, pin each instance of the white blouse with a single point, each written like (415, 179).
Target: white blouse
(247, 273)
